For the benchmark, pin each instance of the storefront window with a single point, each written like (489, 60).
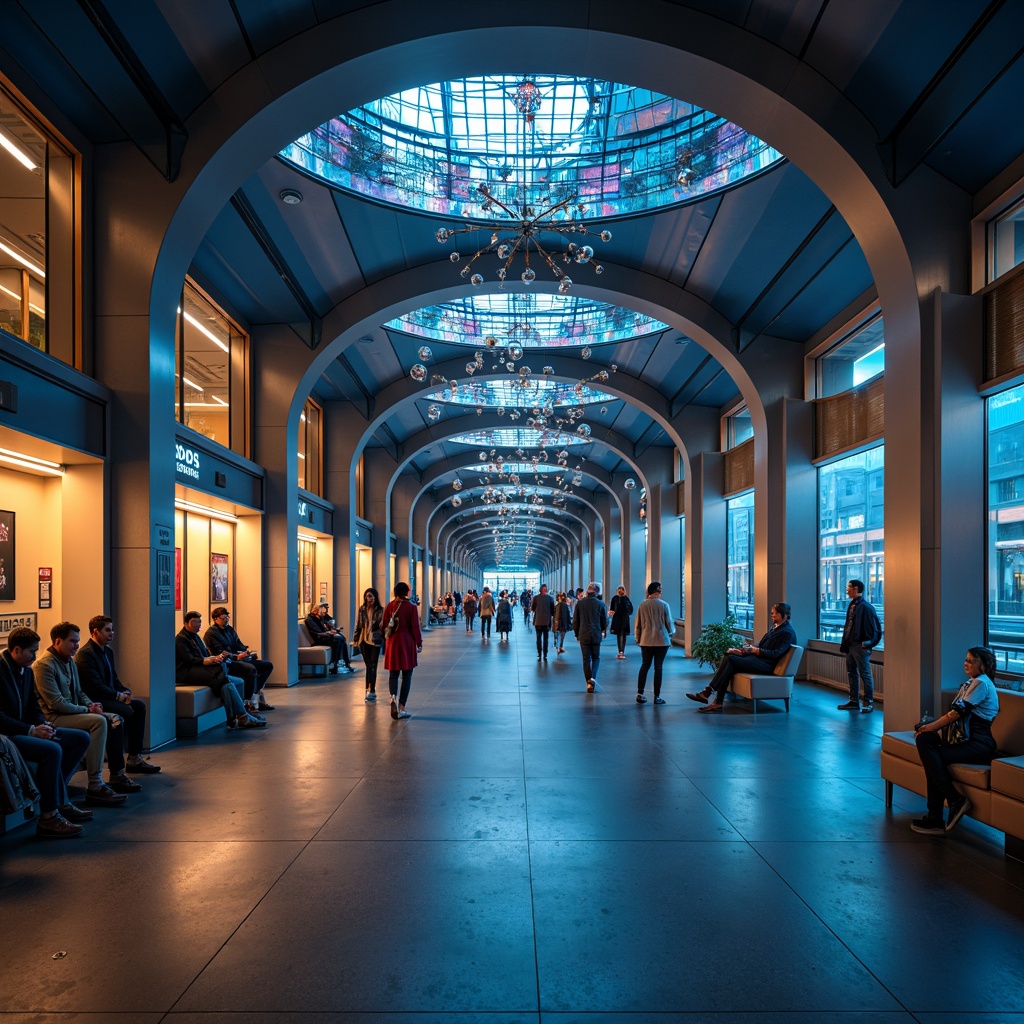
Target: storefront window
(211, 372)
(851, 504)
(38, 219)
(307, 572)
(310, 430)
(682, 568)
(1006, 241)
(740, 556)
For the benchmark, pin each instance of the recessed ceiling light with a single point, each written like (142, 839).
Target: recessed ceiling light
(291, 196)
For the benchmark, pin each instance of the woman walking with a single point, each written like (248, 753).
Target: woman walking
(469, 609)
(562, 622)
(654, 628)
(403, 641)
(370, 637)
(503, 618)
(621, 608)
(486, 612)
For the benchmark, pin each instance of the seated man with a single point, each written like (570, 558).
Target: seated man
(243, 661)
(194, 665)
(325, 635)
(756, 660)
(56, 753)
(65, 705)
(96, 672)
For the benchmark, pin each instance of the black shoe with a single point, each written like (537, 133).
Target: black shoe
(641, 699)
(928, 826)
(659, 700)
(141, 768)
(57, 827)
(701, 696)
(956, 811)
(122, 784)
(249, 722)
(76, 815)
(104, 796)
(394, 709)
(867, 708)
(850, 705)
(264, 706)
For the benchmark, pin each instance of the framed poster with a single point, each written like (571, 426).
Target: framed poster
(307, 585)
(218, 578)
(6, 556)
(177, 579)
(164, 577)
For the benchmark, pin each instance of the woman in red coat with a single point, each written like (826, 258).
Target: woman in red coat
(403, 642)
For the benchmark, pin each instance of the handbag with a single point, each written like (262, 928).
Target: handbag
(392, 626)
(959, 730)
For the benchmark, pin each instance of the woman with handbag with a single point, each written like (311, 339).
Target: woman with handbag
(402, 642)
(963, 735)
(562, 622)
(370, 637)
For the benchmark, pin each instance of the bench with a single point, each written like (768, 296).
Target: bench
(777, 686)
(996, 792)
(440, 617)
(197, 709)
(311, 656)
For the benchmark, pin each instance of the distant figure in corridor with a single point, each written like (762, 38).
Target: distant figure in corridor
(403, 642)
(562, 622)
(503, 618)
(469, 609)
(486, 613)
(621, 608)
(654, 628)
(369, 636)
(543, 608)
(590, 624)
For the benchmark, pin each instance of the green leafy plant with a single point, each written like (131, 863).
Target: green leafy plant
(714, 640)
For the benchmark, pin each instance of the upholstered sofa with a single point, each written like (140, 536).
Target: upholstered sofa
(996, 792)
(777, 686)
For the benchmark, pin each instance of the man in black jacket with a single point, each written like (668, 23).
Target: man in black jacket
(56, 753)
(243, 661)
(861, 633)
(758, 659)
(96, 673)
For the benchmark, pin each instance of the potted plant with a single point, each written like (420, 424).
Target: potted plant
(714, 640)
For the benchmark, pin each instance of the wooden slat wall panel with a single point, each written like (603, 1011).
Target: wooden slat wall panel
(852, 418)
(1004, 328)
(739, 468)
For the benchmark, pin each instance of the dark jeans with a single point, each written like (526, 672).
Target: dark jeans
(542, 634)
(591, 659)
(733, 663)
(134, 726)
(406, 674)
(338, 646)
(219, 681)
(485, 625)
(858, 663)
(936, 755)
(620, 639)
(371, 655)
(648, 655)
(470, 616)
(254, 674)
(56, 761)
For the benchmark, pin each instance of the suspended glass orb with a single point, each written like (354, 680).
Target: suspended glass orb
(490, 341)
(603, 375)
(577, 479)
(548, 370)
(563, 454)
(482, 456)
(455, 257)
(478, 358)
(514, 479)
(528, 276)
(514, 414)
(504, 251)
(606, 236)
(500, 410)
(456, 484)
(578, 388)
(476, 280)
(584, 254)
(418, 372)
(544, 456)
(583, 430)
(587, 352)
(456, 501)
(565, 286)
(454, 387)
(629, 484)
(425, 354)
(598, 269)
(471, 368)
(525, 371)
(434, 412)
(515, 351)
(563, 463)
(443, 235)
(604, 410)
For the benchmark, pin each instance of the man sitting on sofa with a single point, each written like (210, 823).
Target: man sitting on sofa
(243, 661)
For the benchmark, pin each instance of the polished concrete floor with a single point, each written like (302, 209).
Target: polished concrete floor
(517, 851)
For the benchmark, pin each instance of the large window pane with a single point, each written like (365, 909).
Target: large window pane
(857, 358)
(1006, 520)
(682, 568)
(851, 504)
(1006, 241)
(740, 556)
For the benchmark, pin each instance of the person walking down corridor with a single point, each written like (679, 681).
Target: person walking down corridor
(654, 628)
(590, 624)
(369, 636)
(543, 608)
(469, 609)
(503, 616)
(486, 612)
(403, 642)
(562, 622)
(621, 608)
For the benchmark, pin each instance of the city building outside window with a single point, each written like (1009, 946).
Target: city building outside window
(740, 557)
(40, 270)
(211, 372)
(855, 359)
(310, 448)
(851, 525)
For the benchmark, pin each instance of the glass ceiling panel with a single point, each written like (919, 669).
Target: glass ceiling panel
(530, 319)
(533, 140)
(518, 437)
(519, 393)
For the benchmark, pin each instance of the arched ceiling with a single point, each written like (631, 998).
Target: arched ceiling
(773, 259)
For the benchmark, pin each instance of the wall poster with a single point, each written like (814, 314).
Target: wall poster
(7, 576)
(218, 578)
(177, 579)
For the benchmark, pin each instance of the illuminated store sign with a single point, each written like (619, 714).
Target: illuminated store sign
(186, 461)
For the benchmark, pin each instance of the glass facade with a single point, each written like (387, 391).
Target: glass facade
(1006, 241)
(310, 463)
(211, 371)
(855, 359)
(851, 525)
(519, 393)
(682, 568)
(740, 557)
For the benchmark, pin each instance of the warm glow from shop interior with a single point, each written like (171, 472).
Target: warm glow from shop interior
(21, 259)
(203, 329)
(17, 152)
(204, 510)
(31, 462)
(17, 298)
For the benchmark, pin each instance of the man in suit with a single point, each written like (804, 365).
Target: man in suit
(194, 665)
(243, 662)
(56, 753)
(758, 659)
(95, 661)
(324, 635)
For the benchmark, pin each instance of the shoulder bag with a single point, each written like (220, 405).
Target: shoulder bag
(959, 730)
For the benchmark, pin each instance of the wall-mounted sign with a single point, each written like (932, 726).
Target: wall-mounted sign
(186, 461)
(165, 577)
(303, 510)
(16, 619)
(45, 583)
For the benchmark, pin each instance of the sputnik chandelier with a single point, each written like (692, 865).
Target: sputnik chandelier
(535, 208)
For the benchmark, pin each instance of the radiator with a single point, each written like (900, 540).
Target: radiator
(829, 668)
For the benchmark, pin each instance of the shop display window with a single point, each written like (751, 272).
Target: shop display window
(310, 447)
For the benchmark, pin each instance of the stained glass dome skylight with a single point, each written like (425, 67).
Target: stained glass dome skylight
(519, 393)
(530, 319)
(619, 148)
(518, 437)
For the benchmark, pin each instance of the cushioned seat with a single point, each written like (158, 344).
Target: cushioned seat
(311, 656)
(777, 686)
